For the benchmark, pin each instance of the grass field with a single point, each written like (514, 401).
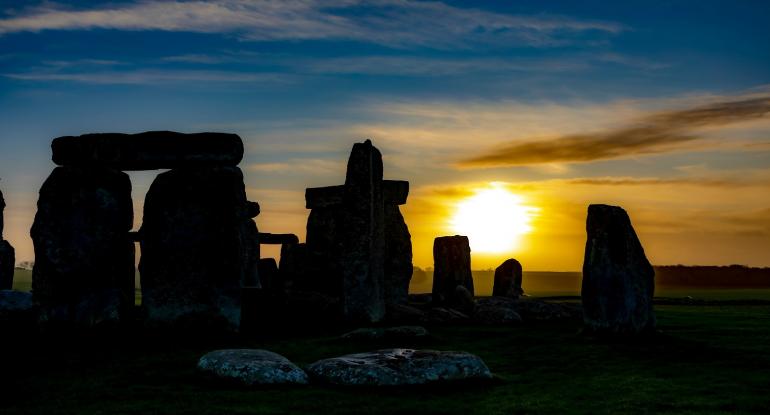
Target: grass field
(713, 359)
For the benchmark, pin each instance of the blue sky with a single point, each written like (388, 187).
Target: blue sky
(435, 84)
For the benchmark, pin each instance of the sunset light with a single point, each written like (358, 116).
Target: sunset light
(494, 219)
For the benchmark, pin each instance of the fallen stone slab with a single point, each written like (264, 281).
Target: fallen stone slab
(377, 333)
(252, 367)
(149, 150)
(531, 309)
(441, 315)
(393, 367)
(492, 315)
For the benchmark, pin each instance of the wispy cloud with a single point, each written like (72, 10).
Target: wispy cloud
(396, 23)
(140, 77)
(656, 133)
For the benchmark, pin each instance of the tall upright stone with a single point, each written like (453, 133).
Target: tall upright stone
(451, 269)
(199, 247)
(7, 254)
(618, 280)
(84, 257)
(508, 279)
(363, 243)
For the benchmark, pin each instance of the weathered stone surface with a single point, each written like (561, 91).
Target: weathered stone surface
(7, 263)
(149, 150)
(463, 300)
(452, 268)
(530, 309)
(378, 333)
(252, 367)
(441, 315)
(363, 242)
(508, 279)
(618, 280)
(493, 315)
(17, 307)
(392, 367)
(199, 247)
(398, 256)
(84, 258)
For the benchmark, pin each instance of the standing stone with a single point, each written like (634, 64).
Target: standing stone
(398, 256)
(197, 244)
(508, 279)
(451, 268)
(618, 281)
(363, 244)
(84, 257)
(7, 255)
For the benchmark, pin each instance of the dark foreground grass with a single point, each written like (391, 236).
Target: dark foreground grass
(707, 360)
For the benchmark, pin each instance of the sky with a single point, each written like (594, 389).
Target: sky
(662, 108)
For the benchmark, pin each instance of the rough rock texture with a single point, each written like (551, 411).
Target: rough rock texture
(7, 263)
(17, 307)
(376, 333)
(528, 309)
(398, 256)
(148, 151)
(494, 315)
(252, 367)
(7, 255)
(84, 258)
(452, 268)
(199, 246)
(618, 281)
(508, 279)
(393, 367)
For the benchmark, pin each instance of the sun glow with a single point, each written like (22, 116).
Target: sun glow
(493, 219)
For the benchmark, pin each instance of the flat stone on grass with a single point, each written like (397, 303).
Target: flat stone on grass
(252, 367)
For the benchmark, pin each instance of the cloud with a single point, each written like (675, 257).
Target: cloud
(660, 132)
(394, 23)
(141, 77)
(727, 182)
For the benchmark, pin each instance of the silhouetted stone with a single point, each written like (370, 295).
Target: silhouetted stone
(452, 268)
(462, 300)
(7, 262)
(394, 192)
(618, 281)
(149, 150)
(398, 256)
(17, 307)
(404, 314)
(277, 238)
(252, 367)
(508, 279)
(529, 309)
(199, 247)
(393, 367)
(7, 255)
(363, 244)
(486, 313)
(268, 274)
(84, 259)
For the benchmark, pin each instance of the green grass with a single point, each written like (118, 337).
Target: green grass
(713, 359)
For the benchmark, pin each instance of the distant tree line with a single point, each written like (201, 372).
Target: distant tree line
(730, 276)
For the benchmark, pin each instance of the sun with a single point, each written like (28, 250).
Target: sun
(493, 219)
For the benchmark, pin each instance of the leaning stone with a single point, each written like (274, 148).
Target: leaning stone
(84, 257)
(252, 367)
(508, 279)
(398, 257)
(393, 367)
(149, 150)
(452, 268)
(199, 247)
(618, 280)
(7, 265)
